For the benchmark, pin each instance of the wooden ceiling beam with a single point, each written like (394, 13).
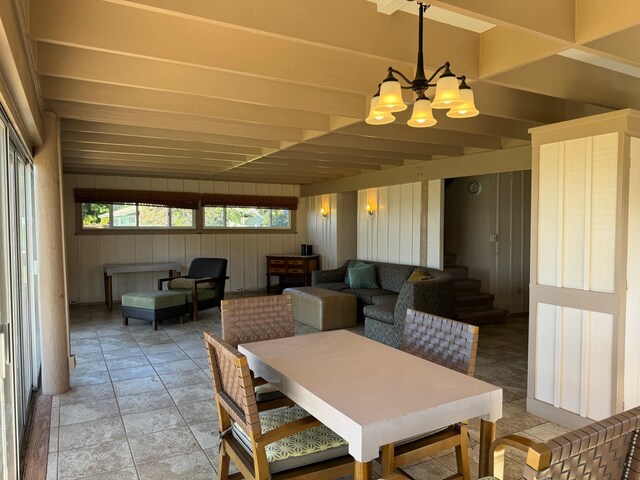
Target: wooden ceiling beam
(385, 157)
(369, 143)
(134, 158)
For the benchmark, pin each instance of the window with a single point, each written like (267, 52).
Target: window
(106, 216)
(246, 217)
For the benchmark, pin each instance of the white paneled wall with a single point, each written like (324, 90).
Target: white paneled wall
(333, 237)
(585, 314)
(575, 355)
(245, 252)
(577, 227)
(392, 234)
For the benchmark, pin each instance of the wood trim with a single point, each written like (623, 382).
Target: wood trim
(37, 452)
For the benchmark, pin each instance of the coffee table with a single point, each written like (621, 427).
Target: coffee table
(372, 394)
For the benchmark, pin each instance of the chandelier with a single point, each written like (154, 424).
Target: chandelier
(448, 94)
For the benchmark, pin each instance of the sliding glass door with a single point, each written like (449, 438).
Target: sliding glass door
(19, 325)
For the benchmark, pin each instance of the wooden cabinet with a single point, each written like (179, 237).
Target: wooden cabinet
(293, 269)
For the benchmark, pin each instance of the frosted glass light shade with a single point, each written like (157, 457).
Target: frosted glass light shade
(391, 97)
(467, 109)
(422, 114)
(447, 93)
(376, 117)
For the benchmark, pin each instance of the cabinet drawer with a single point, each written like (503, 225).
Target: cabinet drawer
(295, 270)
(276, 262)
(276, 270)
(295, 262)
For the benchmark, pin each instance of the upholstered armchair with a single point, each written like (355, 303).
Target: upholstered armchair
(203, 284)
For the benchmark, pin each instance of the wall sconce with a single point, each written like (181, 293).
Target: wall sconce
(324, 214)
(370, 210)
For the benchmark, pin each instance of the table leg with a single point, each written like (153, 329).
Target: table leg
(487, 436)
(109, 292)
(268, 283)
(362, 471)
(106, 300)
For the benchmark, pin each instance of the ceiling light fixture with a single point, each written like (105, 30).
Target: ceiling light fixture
(448, 94)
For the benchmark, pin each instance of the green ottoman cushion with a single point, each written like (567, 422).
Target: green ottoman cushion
(153, 300)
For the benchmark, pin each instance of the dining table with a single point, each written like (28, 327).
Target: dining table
(372, 394)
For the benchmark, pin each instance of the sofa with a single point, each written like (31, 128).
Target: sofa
(384, 309)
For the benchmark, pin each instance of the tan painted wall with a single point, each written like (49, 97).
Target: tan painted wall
(246, 252)
(502, 207)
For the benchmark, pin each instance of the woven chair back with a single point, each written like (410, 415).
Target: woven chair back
(440, 340)
(602, 450)
(232, 383)
(254, 319)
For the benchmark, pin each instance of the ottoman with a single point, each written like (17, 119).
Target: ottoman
(155, 306)
(321, 308)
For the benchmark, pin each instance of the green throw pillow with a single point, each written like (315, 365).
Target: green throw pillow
(363, 277)
(417, 276)
(358, 264)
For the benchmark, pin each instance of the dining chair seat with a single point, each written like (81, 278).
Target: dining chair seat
(267, 392)
(303, 448)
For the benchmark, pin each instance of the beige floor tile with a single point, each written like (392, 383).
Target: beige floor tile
(200, 412)
(193, 466)
(137, 360)
(89, 393)
(160, 445)
(206, 434)
(152, 421)
(138, 385)
(183, 379)
(91, 433)
(166, 357)
(131, 372)
(143, 402)
(86, 412)
(52, 466)
(192, 393)
(126, 474)
(175, 367)
(94, 460)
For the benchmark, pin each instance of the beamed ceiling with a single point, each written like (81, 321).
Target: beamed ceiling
(277, 91)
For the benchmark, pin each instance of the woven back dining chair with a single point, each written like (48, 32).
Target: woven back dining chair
(451, 344)
(283, 443)
(254, 319)
(603, 450)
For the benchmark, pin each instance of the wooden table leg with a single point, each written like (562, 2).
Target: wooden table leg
(487, 436)
(109, 292)
(106, 299)
(362, 471)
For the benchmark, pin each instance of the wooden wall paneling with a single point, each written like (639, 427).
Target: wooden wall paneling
(175, 185)
(394, 224)
(126, 254)
(603, 201)
(435, 224)
(503, 258)
(599, 366)
(190, 185)
(141, 183)
(545, 357)
(220, 187)
(124, 183)
(570, 361)
(415, 223)
(106, 181)
(251, 261)
(205, 186)
(159, 184)
(331, 230)
(548, 212)
(382, 214)
(263, 249)
(526, 239)
(406, 230)
(516, 287)
(90, 272)
(574, 209)
(235, 188)
(363, 252)
(236, 262)
(85, 181)
(632, 328)
(222, 251)
(372, 222)
(160, 254)
(177, 251)
(144, 254)
(192, 248)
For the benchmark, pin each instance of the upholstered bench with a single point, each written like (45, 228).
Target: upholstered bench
(323, 309)
(153, 306)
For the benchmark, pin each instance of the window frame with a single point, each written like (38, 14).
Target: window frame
(198, 227)
(245, 228)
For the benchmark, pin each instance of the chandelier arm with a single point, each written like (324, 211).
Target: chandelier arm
(402, 75)
(442, 67)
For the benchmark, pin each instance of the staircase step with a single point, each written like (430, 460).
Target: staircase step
(473, 299)
(484, 316)
(458, 273)
(450, 259)
(468, 285)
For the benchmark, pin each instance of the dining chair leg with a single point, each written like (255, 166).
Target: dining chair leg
(223, 463)
(388, 459)
(362, 470)
(462, 453)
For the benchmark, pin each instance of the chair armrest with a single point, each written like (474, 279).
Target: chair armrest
(203, 280)
(433, 296)
(538, 454)
(288, 429)
(329, 276)
(166, 279)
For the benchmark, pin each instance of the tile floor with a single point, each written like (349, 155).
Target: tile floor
(141, 404)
